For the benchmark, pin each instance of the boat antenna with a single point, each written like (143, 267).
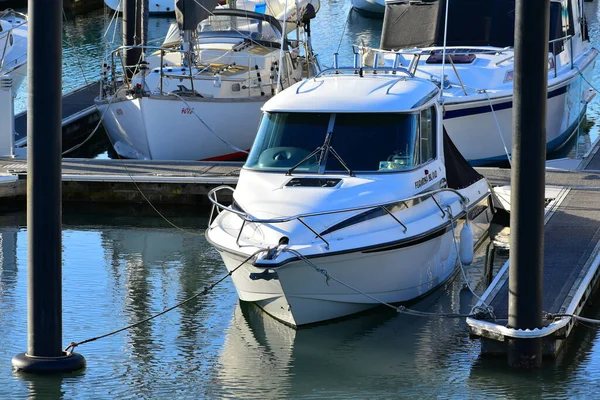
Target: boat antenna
(444, 48)
(283, 35)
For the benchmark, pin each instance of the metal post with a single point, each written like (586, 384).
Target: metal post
(528, 179)
(44, 292)
(132, 56)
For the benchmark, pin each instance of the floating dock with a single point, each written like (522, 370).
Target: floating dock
(125, 181)
(79, 116)
(571, 261)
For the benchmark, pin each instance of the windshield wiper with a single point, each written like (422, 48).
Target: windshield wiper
(324, 150)
(313, 153)
(337, 156)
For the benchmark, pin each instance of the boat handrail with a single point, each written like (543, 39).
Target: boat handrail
(14, 13)
(193, 74)
(246, 217)
(357, 71)
(424, 51)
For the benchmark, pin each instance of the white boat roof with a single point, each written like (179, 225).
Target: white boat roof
(351, 93)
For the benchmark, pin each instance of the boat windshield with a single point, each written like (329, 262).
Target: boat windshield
(382, 142)
(235, 26)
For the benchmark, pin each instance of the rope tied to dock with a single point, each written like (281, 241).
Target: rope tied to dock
(578, 318)
(71, 347)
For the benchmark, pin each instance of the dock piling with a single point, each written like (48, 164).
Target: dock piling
(131, 32)
(528, 180)
(44, 219)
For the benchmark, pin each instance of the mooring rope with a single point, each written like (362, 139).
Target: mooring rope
(71, 347)
(498, 127)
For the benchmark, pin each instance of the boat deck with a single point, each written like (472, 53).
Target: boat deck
(571, 260)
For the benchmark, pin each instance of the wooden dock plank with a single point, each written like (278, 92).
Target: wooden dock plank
(571, 257)
(578, 217)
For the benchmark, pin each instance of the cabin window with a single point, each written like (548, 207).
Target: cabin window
(427, 135)
(365, 142)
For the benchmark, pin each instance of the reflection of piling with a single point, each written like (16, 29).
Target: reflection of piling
(528, 179)
(44, 295)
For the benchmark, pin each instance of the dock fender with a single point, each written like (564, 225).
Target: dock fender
(466, 244)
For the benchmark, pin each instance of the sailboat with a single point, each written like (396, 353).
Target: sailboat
(199, 96)
(475, 68)
(13, 46)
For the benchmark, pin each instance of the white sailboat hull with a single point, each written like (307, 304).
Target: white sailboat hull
(169, 129)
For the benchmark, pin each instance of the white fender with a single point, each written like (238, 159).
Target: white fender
(466, 244)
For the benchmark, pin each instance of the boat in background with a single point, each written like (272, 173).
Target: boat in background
(476, 74)
(352, 195)
(13, 46)
(198, 97)
(370, 8)
(155, 6)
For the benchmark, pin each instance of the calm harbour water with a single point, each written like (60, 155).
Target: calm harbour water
(120, 268)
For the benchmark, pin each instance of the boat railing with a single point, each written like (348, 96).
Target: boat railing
(560, 42)
(10, 13)
(247, 218)
(359, 69)
(555, 45)
(119, 75)
(120, 79)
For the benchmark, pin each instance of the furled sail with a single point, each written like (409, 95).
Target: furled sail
(190, 13)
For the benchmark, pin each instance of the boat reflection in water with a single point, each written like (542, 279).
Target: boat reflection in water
(350, 355)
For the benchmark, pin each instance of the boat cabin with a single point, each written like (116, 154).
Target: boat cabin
(355, 137)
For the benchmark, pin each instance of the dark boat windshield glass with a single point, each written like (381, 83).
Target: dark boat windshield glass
(382, 142)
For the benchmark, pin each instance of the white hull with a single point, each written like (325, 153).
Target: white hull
(156, 6)
(463, 121)
(169, 129)
(369, 6)
(301, 295)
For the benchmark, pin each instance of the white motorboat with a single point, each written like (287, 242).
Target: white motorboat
(370, 8)
(203, 102)
(351, 196)
(154, 6)
(13, 46)
(477, 71)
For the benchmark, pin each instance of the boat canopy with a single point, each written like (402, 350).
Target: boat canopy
(409, 24)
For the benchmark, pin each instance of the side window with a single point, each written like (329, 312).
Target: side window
(427, 135)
